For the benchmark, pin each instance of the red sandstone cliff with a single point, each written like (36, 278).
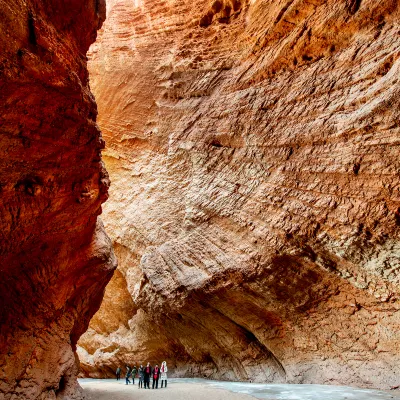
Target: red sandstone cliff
(254, 153)
(55, 258)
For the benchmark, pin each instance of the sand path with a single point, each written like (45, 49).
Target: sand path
(199, 389)
(112, 390)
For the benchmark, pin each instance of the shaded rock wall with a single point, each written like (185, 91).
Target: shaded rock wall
(55, 258)
(253, 148)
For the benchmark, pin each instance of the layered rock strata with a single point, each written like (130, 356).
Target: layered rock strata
(253, 148)
(55, 258)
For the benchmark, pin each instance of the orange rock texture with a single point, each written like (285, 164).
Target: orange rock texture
(253, 148)
(55, 258)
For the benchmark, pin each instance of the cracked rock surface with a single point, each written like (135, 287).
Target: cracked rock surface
(253, 149)
(55, 258)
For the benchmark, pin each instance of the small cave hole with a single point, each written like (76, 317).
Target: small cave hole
(223, 20)
(306, 57)
(385, 68)
(354, 6)
(217, 6)
(381, 25)
(31, 185)
(61, 385)
(227, 12)
(356, 168)
(236, 4)
(206, 20)
(216, 143)
(31, 30)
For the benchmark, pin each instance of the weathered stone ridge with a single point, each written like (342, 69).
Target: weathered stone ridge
(55, 258)
(253, 148)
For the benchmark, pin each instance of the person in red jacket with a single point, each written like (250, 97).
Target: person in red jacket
(156, 376)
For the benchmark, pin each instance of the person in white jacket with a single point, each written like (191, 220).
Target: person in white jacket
(163, 370)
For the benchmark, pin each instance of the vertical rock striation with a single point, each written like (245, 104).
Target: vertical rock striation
(55, 258)
(253, 147)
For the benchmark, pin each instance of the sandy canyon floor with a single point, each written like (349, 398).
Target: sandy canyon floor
(107, 389)
(199, 389)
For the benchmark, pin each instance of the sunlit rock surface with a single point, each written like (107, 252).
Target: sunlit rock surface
(55, 258)
(253, 148)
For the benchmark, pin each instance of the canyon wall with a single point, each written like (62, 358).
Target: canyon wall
(55, 258)
(254, 152)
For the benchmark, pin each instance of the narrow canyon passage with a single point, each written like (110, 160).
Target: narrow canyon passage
(254, 207)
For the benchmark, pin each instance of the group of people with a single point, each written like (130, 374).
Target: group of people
(144, 374)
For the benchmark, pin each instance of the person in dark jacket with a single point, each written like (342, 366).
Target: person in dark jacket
(147, 374)
(134, 372)
(127, 375)
(156, 376)
(141, 376)
(118, 373)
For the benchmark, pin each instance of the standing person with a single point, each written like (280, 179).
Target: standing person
(118, 373)
(141, 376)
(147, 374)
(127, 375)
(156, 376)
(164, 370)
(134, 372)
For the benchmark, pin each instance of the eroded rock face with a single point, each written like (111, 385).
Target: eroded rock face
(253, 148)
(55, 258)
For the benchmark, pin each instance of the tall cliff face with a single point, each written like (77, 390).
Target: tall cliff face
(55, 258)
(253, 148)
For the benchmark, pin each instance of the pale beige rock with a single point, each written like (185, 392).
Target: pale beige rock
(253, 149)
